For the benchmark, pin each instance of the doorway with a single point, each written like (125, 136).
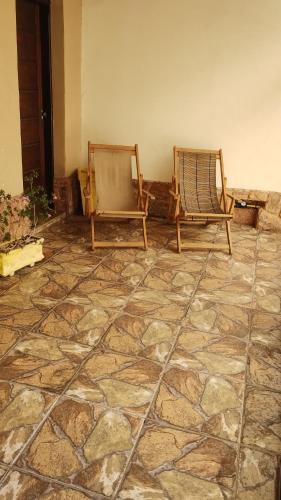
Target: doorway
(35, 93)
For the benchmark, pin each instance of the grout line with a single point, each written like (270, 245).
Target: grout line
(157, 387)
(52, 481)
(243, 408)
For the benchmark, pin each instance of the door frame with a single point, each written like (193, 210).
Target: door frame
(44, 81)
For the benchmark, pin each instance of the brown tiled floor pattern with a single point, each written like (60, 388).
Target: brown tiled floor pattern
(142, 375)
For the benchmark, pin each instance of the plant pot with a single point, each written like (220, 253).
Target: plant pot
(18, 254)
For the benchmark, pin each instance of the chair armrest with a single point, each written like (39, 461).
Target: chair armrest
(230, 196)
(231, 208)
(174, 195)
(148, 194)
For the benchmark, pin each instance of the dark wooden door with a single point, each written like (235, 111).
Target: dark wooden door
(34, 85)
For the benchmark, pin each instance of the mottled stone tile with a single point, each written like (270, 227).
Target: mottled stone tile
(266, 328)
(192, 400)
(7, 282)
(219, 319)
(148, 338)
(117, 381)
(167, 485)
(166, 306)
(8, 337)
(268, 272)
(262, 425)
(119, 271)
(103, 293)
(257, 475)
(21, 411)
(209, 352)
(227, 268)
(264, 366)
(43, 362)
(18, 317)
(186, 262)
(177, 281)
(70, 262)
(146, 258)
(39, 289)
(267, 296)
(81, 447)
(82, 319)
(219, 290)
(23, 486)
(167, 448)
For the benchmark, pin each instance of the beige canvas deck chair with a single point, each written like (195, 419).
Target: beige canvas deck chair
(115, 194)
(194, 194)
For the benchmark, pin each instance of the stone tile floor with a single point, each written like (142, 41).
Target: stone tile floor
(138, 375)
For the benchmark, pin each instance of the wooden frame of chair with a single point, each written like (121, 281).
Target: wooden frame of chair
(142, 200)
(200, 217)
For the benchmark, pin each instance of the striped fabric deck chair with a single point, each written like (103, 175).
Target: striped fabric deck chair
(194, 194)
(114, 191)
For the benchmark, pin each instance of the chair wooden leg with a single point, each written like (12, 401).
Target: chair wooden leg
(144, 233)
(178, 235)
(93, 231)
(228, 232)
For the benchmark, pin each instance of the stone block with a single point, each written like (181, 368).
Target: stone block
(273, 204)
(268, 221)
(258, 195)
(240, 194)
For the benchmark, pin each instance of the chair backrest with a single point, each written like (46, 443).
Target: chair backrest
(195, 176)
(112, 166)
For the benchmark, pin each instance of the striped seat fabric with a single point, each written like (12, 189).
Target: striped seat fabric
(197, 176)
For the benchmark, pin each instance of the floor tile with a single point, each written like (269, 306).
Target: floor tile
(262, 420)
(177, 281)
(220, 319)
(16, 317)
(267, 296)
(264, 366)
(40, 289)
(22, 486)
(210, 353)
(117, 381)
(8, 337)
(218, 290)
(193, 400)
(257, 475)
(83, 448)
(134, 335)
(42, 361)
(266, 328)
(167, 485)
(228, 268)
(118, 271)
(22, 409)
(81, 318)
(166, 306)
(186, 262)
(69, 262)
(150, 348)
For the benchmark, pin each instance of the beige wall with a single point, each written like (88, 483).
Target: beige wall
(66, 16)
(72, 73)
(10, 143)
(58, 91)
(198, 73)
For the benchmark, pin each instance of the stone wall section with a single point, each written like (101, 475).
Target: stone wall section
(269, 217)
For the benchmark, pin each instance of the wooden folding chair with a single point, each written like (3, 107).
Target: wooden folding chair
(194, 194)
(115, 194)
